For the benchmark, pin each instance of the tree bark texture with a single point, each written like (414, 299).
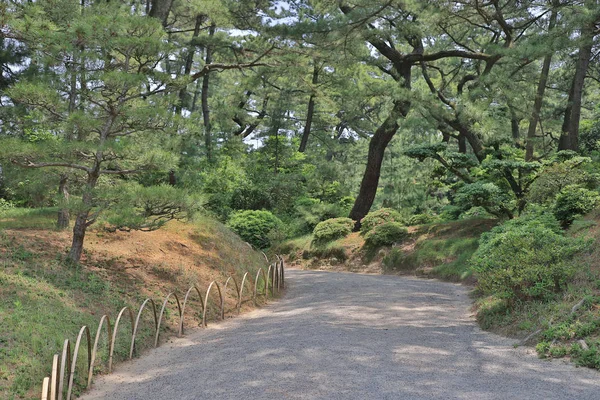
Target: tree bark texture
(204, 98)
(189, 60)
(310, 111)
(539, 95)
(160, 9)
(368, 186)
(569, 139)
(63, 214)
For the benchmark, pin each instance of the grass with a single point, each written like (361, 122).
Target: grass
(437, 250)
(28, 218)
(44, 300)
(445, 258)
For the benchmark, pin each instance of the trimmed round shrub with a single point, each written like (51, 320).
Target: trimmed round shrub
(332, 229)
(255, 226)
(381, 216)
(386, 234)
(524, 260)
(420, 219)
(573, 201)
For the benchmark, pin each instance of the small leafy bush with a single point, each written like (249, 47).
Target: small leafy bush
(386, 234)
(6, 205)
(395, 260)
(573, 201)
(450, 213)
(255, 226)
(475, 212)
(332, 229)
(487, 195)
(309, 212)
(524, 260)
(383, 215)
(420, 219)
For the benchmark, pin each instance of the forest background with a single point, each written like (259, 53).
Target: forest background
(304, 120)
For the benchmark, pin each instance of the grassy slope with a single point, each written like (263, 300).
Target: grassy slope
(569, 325)
(43, 300)
(438, 250)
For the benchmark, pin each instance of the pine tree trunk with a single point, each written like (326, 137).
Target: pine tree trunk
(63, 214)
(204, 99)
(539, 96)
(189, 60)
(78, 237)
(310, 112)
(462, 144)
(370, 181)
(160, 9)
(569, 139)
(82, 221)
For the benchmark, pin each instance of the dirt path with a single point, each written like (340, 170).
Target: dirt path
(349, 336)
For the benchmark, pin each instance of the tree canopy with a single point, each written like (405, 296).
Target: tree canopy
(131, 114)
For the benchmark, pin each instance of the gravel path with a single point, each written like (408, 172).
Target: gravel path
(349, 336)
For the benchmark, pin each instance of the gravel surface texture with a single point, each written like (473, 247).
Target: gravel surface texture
(349, 336)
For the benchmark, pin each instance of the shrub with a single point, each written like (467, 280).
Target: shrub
(573, 201)
(255, 226)
(309, 212)
(6, 205)
(386, 234)
(383, 215)
(395, 260)
(524, 260)
(450, 213)
(420, 219)
(475, 212)
(332, 229)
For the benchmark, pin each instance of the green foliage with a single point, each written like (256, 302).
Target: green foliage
(557, 175)
(5, 205)
(475, 212)
(386, 234)
(255, 226)
(486, 195)
(573, 201)
(309, 212)
(524, 260)
(420, 219)
(332, 229)
(137, 207)
(381, 216)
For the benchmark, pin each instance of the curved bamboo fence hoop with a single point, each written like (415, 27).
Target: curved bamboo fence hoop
(65, 362)
(222, 314)
(64, 366)
(114, 335)
(265, 280)
(86, 330)
(277, 268)
(269, 278)
(45, 385)
(237, 291)
(185, 302)
(54, 377)
(137, 321)
(282, 271)
(106, 319)
(162, 310)
(241, 296)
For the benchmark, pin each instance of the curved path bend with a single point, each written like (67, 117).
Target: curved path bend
(349, 336)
